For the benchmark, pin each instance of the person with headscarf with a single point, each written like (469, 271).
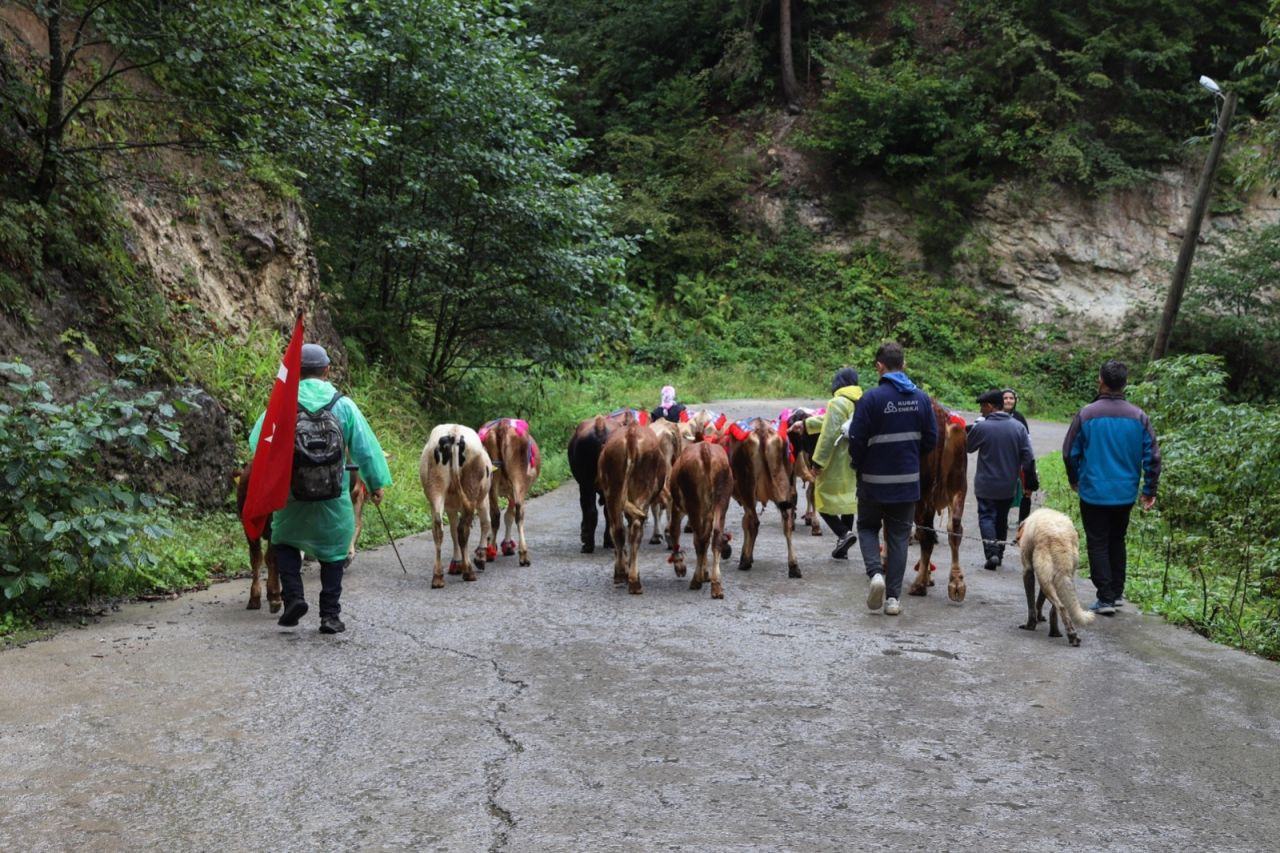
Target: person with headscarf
(1022, 497)
(669, 409)
(836, 483)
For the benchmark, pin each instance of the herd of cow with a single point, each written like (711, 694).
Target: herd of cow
(636, 469)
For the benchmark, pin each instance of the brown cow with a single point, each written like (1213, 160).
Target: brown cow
(631, 473)
(762, 472)
(584, 461)
(514, 454)
(944, 484)
(672, 439)
(456, 473)
(701, 485)
(257, 555)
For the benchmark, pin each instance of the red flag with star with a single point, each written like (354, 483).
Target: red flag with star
(272, 467)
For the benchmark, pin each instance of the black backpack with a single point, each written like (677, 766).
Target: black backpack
(319, 454)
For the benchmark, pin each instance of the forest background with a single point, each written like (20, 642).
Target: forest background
(543, 210)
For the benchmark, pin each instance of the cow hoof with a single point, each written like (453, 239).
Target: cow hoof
(455, 567)
(254, 604)
(793, 570)
(524, 561)
(588, 548)
(437, 583)
(633, 587)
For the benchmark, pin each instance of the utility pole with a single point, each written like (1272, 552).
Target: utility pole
(1192, 234)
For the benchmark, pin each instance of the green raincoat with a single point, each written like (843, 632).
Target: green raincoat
(323, 529)
(836, 489)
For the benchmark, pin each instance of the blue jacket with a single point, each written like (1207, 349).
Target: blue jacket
(1108, 445)
(892, 428)
(1004, 448)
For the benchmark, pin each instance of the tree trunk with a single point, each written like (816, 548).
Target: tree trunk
(790, 88)
(51, 142)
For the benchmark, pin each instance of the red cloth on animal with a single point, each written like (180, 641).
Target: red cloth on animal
(273, 457)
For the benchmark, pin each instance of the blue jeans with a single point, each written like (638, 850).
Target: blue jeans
(993, 523)
(896, 520)
(289, 565)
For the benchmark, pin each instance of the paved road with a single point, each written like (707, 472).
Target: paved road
(545, 709)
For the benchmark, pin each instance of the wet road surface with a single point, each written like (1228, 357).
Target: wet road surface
(546, 709)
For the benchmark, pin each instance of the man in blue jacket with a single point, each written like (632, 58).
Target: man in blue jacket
(1004, 451)
(893, 426)
(1109, 445)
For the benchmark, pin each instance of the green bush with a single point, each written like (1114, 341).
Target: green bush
(66, 517)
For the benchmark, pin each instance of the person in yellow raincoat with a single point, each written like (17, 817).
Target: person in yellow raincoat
(323, 528)
(836, 485)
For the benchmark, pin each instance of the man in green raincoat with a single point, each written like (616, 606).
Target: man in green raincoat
(323, 528)
(836, 485)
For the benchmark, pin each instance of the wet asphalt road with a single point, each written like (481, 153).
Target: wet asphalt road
(545, 709)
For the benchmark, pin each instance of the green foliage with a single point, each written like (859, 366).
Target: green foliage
(1231, 308)
(67, 514)
(466, 240)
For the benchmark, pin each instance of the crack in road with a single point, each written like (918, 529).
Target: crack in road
(495, 779)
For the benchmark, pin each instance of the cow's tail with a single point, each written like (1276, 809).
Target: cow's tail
(457, 456)
(629, 507)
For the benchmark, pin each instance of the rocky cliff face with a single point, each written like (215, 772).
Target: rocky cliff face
(1053, 253)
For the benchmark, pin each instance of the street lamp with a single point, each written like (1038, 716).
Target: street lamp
(1226, 105)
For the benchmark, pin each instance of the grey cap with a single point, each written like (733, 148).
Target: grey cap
(313, 355)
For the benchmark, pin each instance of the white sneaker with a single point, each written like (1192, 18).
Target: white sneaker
(891, 607)
(875, 595)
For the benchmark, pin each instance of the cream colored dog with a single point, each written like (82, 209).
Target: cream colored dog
(1050, 554)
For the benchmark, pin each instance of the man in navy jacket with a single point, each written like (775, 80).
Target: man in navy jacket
(1109, 445)
(892, 428)
(1004, 451)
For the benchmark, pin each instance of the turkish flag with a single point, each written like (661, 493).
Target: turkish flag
(272, 467)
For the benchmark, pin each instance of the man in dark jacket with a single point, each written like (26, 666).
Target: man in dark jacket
(1004, 452)
(1109, 445)
(892, 428)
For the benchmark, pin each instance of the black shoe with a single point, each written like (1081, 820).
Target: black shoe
(331, 625)
(293, 611)
(843, 545)
(992, 564)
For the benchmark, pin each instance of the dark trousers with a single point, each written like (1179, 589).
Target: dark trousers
(896, 520)
(993, 524)
(289, 565)
(839, 524)
(1104, 531)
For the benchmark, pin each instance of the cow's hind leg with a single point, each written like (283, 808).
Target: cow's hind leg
(788, 530)
(750, 527)
(255, 566)
(635, 533)
(955, 584)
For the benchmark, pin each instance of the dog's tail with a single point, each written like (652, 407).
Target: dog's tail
(1066, 590)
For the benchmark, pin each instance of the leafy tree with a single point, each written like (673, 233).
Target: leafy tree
(260, 74)
(466, 240)
(63, 512)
